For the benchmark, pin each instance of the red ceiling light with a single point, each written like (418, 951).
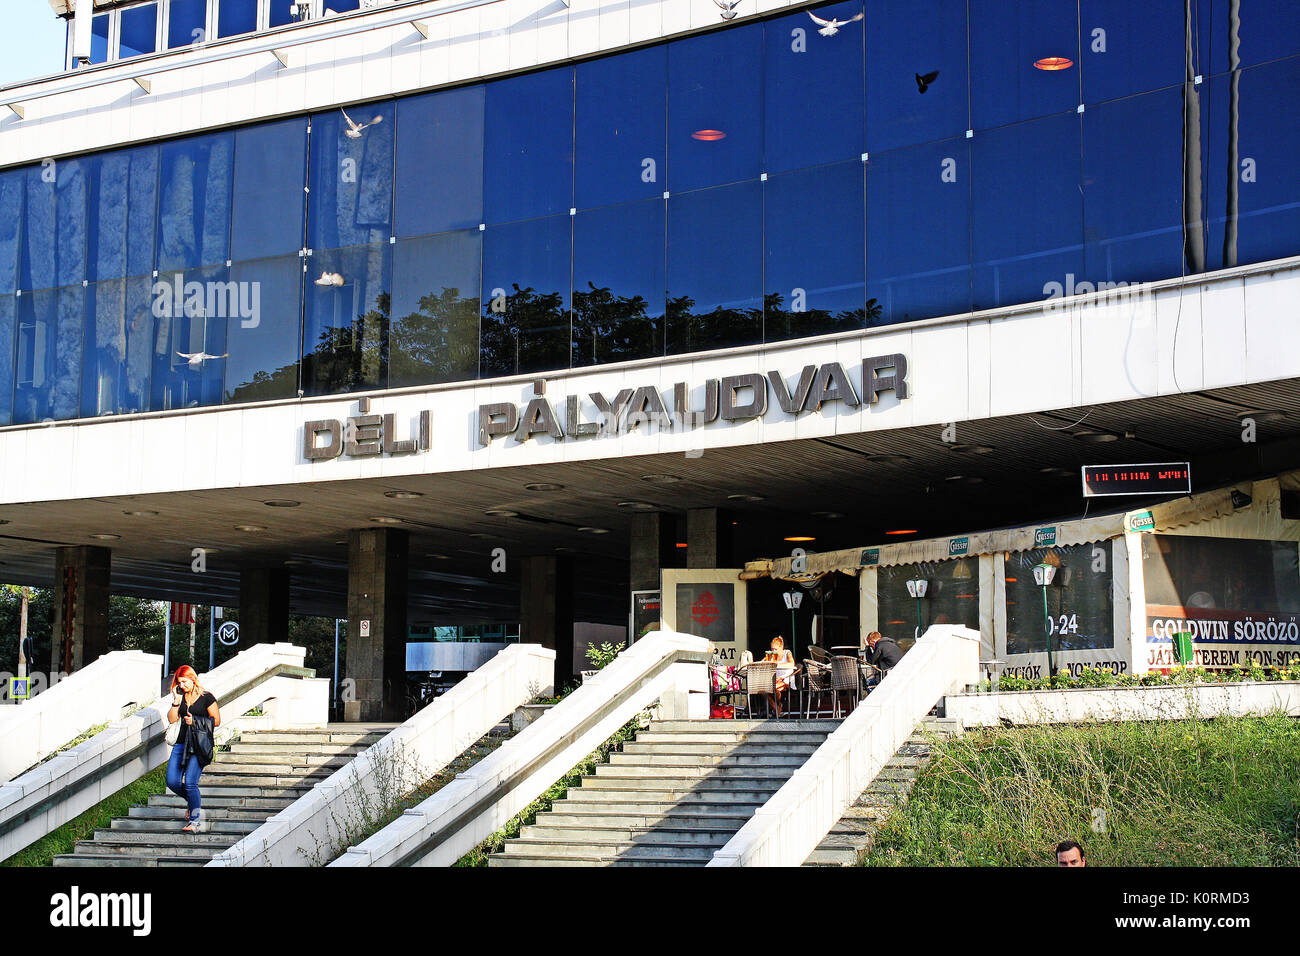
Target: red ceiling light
(904, 531)
(709, 135)
(1051, 64)
(681, 544)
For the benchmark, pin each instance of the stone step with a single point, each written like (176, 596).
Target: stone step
(228, 768)
(310, 737)
(626, 816)
(610, 851)
(647, 794)
(246, 758)
(246, 745)
(674, 746)
(197, 851)
(177, 811)
(659, 835)
(239, 789)
(522, 859)
(212, 824)
(707, 763)
(218, 802)
(114, 860)
(681, 778)
(766, 735)
(836, 857)
(174, 837)
(249, 784)
(740, 726)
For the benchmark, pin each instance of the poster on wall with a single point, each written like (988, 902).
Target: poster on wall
(708, 603)
(646, 613)
(1239, 599)
(1078, 616)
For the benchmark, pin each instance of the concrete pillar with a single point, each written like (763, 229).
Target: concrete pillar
(652, 548)
(708, 538)
(376, 657)
(81, 582)
(546, 610)
(263, 606)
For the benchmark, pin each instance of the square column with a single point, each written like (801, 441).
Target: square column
(81, 587)
(263, 606)
(546, 610)
(376, 656)
(708, 539)
(652, 549)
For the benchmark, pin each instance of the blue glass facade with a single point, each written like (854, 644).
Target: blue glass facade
(702, 193)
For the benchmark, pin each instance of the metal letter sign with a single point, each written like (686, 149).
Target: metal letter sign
(228, 634)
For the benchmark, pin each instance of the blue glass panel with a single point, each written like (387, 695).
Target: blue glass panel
(123, 205)
(186, 23)
(282, 13)
(620, 152)
(139, 31)
(189, 340)
(340, 6)
(194, 206)
(1130, 48)
(1253, 144)
(1006, 40)
(906, 43)
(1133, 188)
(618, 283)
(12, 188)
(814, 275)
(235, 17)
(435, 309)
(440, 162)
(263, 325)
(8, 307)
(99, 39)
(1265, 30)
(54, 233)
(715, 111)
(528, 146)
(47, 373)
(269, 202)
(117, 355)
(351, 176)
(715, 268)
(1028, 211)
(526, 323)
(345, 328)
(815, 101)
(918, 231)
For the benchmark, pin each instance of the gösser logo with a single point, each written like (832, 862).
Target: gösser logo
(76, 909)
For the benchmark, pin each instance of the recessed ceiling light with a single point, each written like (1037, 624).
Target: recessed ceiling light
(903, 531)
(140, 514)
(637, 505)
(480, 534)
(982, 449)
(681, 544)
(338, 544)
(563, 550)
(386, 519)
(708, 135)
(1266, 415)
(250, 527)
(281, 503)
(590, 530)
(501, 513)
(800, 537)
(660, 479)
(210, 550)
(294, 562)
(954, 446)
(1094, 437)
(1051, 64)
(438, 557)
(104, 536)
(890, 459)
(543, 486)
(745, 498)
(827, 515)
(403, 495)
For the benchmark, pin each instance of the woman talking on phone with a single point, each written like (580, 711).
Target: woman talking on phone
(197, 713)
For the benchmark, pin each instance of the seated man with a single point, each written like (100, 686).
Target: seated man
(882, 654)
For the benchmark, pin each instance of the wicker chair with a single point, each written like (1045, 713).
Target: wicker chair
(817, 684)
(760, 678)
(845, 679)
(819, 654)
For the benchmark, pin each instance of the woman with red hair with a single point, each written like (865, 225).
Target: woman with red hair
(189, 700)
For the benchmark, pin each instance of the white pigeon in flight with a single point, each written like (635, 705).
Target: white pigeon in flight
(196, 359)
(354, 129)
(728, 8)
(330, 279)
(831, 27)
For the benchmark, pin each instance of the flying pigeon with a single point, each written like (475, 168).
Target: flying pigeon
(923, 82)
(728, 8)
(831, 27)
(330, 279)
(354, 130)
(196, 359)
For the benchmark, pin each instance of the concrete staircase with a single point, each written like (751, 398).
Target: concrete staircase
(852, 835)
(671, 797)
(261, 774)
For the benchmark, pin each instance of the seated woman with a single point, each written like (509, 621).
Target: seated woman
(785, 668)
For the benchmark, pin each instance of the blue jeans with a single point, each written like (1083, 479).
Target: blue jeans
(185, 783)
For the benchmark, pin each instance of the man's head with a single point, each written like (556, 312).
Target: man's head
(873, 638)
(1069, 853)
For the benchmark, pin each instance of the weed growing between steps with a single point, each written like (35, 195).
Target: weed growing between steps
(64, 839)
(1221, 792)
(493, 844)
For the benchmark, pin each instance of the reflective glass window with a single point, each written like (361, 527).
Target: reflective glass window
(186, 22)
(269, 202)
(189, 340)
(1133, 188)
(814, 255)
(1129, 48)
(1027, 210)
(918, 231)
(123, 208)
(8, 308)
(117, 352)
(440, 162)
(262, 308)
(525, 297)
(1265, 30)
(434, 334)
(813, 96)
(715, 268)
(235, 17)
(138, 31)
(528, 146)
(917, 87)
(715, 112)
(1006, 41)
(99, 39)
(194, 202)
(618, 283)
(1080, 610)
(620, 152)
(345, 327)
(12, 188)
(282, 13)
(340, 6)
(48, 347)
(55, 226)
(1253, 199)
(351, 175)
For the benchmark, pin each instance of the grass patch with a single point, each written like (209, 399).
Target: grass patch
(63, 840)
(1220, 792)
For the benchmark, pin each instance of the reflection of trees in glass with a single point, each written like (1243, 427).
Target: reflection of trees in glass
(530, 334)
(608, 327)
(350, 357)
(692, 332)
(780, 324)
(437, 343)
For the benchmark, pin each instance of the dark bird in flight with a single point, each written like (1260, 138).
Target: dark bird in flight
(923, 82)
